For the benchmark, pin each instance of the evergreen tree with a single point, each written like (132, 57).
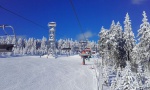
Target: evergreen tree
(103, 41)
(25, 48)
(43, 48)
(129, 37)
(128, 80)
(20, 45)
(119, 53)
(8, 40)
(144, 41)
(140, 76)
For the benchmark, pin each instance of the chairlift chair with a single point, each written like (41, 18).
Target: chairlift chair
(84, 54)
(4, 47)
(66, 49)
(83, 41)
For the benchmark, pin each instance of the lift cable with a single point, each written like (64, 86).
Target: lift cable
(25, 18)
(81, 29)
(22, 17)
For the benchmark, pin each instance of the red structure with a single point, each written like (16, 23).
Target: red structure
(85, 54)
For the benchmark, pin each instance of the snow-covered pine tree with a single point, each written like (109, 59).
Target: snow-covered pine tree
(135, 58)
(144, 42)
(129, 37)
(60, 41)
(111, 43)
(14, 40)
(128, 80)
(119, 53)
(140, 76)
(103, 42)
(25, 47)
(8, 40)
(147, 83)
(35, 46)
(76, 47)
(43, 48)
(38, 46)
(20, 46)
(115, 81)
(30, 45)
(116, 43)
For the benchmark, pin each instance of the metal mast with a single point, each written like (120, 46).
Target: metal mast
(52, 46)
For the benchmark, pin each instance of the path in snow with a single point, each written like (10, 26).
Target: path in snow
(34, 73)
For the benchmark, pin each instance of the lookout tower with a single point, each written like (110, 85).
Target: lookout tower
(52, 26)
(52, 46)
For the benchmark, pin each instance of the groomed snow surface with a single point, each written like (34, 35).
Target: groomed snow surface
(35, 73)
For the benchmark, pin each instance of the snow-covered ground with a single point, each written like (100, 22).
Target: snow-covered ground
(35, 73)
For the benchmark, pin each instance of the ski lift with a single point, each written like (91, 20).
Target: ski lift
(85, 55)
(83, 42)
(68, 49)
(5, 47)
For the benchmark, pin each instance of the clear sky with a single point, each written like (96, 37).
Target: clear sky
(93, 14)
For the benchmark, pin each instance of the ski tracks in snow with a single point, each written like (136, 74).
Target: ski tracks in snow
(34, 73)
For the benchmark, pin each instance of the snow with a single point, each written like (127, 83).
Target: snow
(35, 73)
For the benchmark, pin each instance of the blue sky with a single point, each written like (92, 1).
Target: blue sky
(93, 14)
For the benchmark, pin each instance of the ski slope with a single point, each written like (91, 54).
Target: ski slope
(35, 73)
